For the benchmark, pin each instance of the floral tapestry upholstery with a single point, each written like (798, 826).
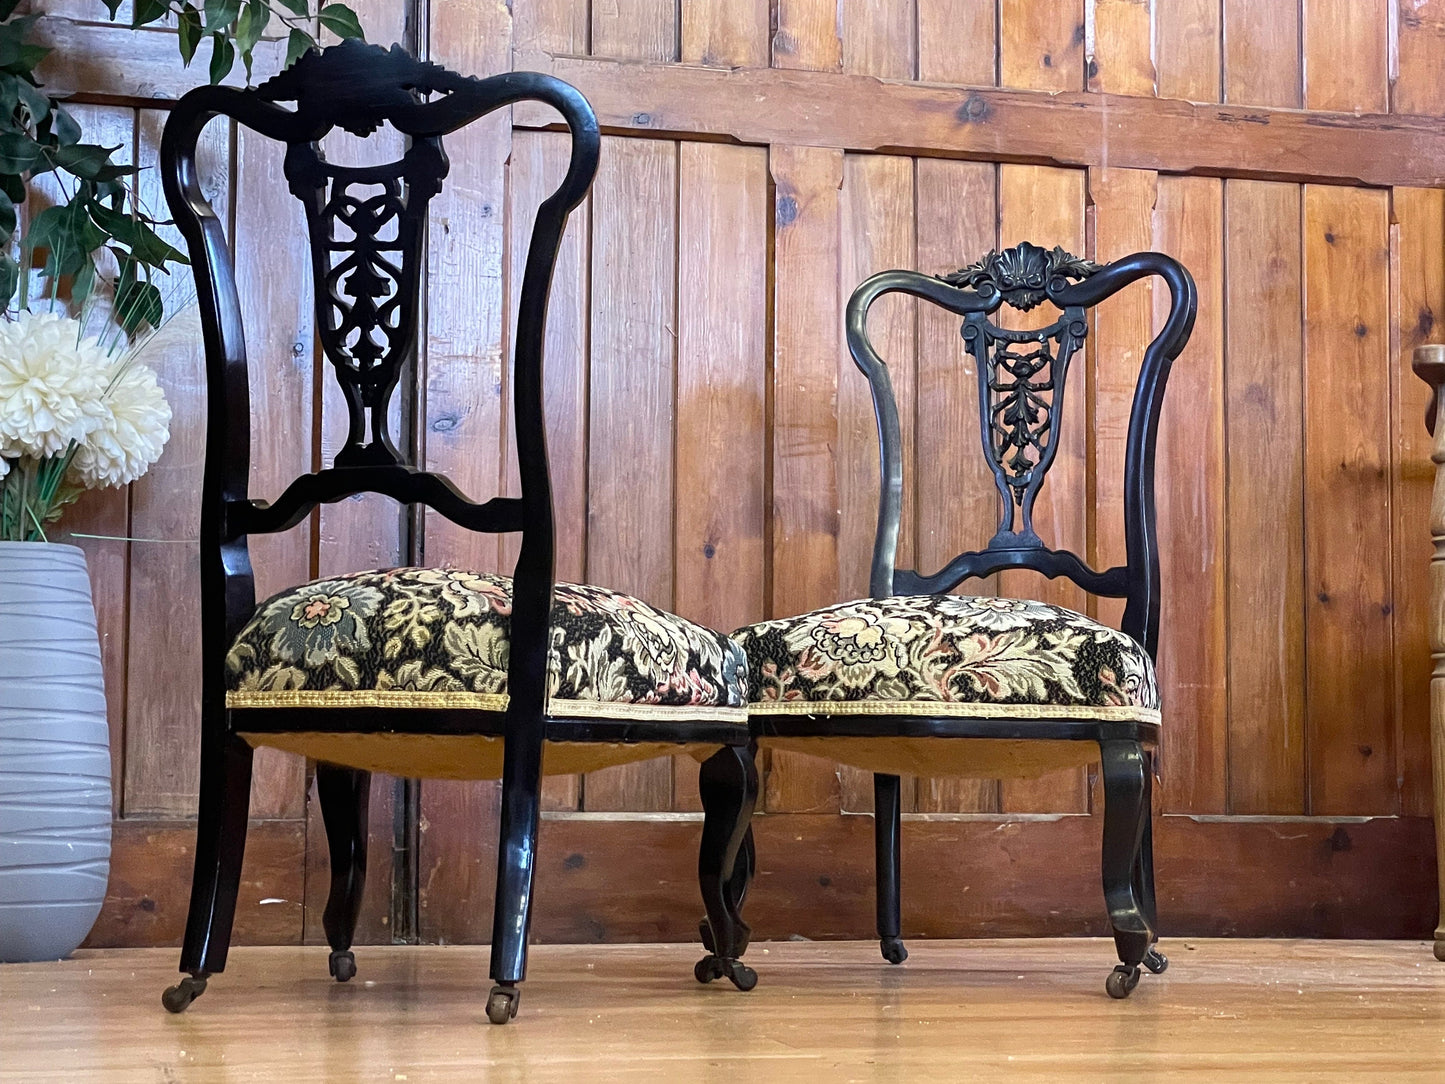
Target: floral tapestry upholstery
(936, 655)
(439, 638)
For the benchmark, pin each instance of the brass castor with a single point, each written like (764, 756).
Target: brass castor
(178, 998)
(1121, 981)
(893, 950)
(1156, 961)
(735, 971)
(502, 1003)
(342, 965)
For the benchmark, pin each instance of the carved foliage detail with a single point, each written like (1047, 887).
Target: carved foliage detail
(1022, 274)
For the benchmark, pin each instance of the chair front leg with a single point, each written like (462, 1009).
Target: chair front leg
(728, 783)
(225, 799)
(516, 867)
(345, 797)
(1126, 778)
(887, 843)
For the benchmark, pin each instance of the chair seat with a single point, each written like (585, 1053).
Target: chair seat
(440, 638)
(948, 655)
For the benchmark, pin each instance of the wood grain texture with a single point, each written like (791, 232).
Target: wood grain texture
(1045, 206)
(719, 549)
(1041, 44)
(552, 26)
(879, 37)
(1190, 473)
(1348, 540)
(1419, 85)
(1265, 493)
(726, 33)
(1417, 267)
(805, 35)
(958, 42)
(1262, 53)
(1120, 46)
(162, 762)
(956, 504)
(631, 432)
(1122, 204)
(639, 29)
(1360, 84)
(1187, 43)
(807, 338)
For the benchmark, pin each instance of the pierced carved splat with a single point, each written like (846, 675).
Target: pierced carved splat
(1021, 374)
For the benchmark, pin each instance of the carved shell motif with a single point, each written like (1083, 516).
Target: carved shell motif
(1022, 273)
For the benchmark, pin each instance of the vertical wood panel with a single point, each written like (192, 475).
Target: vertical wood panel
(1264, 373)
(1190, 495)
(958, 42)
(1420, 83)
(806, 339)
(1122, 202)
(162, 761)
(635, 29)
(1045, 206)
(1119, 43)
(560, 27)
(630, 470)
(1346, 55)
(806, 35)
(1347, 502)
(721, 395)
(1187, 43)
(879, 37)
(877, 235)
(955, 499)
(1262, 53)
(726, 33)
(1041, 44)
(1418, 270)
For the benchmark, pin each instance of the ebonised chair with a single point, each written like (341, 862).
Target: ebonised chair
(918, 680)
(414, 671)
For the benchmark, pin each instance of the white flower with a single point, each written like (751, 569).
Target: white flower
(133, 431)
(52, 381)
(4, 467)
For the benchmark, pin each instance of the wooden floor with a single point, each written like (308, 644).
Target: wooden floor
(822, 1012)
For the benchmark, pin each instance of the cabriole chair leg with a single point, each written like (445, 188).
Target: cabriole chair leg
(516, 867)
(345, 797)
(887, 841)
(220, 845)
(1126, 815)
(728, 783)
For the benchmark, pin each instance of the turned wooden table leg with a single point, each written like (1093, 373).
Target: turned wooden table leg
(1429, 365)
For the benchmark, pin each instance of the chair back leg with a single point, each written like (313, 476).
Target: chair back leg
(887, 842)
(345, 798)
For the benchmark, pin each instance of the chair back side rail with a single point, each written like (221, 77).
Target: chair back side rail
(976, 298)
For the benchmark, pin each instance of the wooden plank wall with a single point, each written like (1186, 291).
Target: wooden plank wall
(714, 451)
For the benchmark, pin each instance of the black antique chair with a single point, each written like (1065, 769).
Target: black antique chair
(1014, 688)
(418, 672)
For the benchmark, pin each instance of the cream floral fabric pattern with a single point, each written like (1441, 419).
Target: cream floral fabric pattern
(441, 637)
(997, 656)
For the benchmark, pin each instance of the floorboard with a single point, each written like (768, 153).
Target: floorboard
(1026, 1010)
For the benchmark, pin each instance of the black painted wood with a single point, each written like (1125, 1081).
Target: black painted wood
(366, 231)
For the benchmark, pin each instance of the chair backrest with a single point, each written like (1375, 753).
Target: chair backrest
(1021, 385)
(366, 228)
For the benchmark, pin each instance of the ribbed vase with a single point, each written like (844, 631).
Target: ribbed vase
(54, 754)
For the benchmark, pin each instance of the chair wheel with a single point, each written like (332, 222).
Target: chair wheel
(707, 969)
(502, 1003)
(1121, 981)
(1440, 950)
(735, 971)
(893, 950)
(1156, 961)
(342, 965)
(178, 998)
(704, 927)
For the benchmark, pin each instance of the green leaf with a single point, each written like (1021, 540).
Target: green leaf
(35, 100)
(7, 219)
(297, 44)
(68, 232)
(341, 21)
(9, 278)
(136, 302)
(148, 11)
(144, 244)
(189, 32)
(18, 152)
(111, 7)
(221, 15)
(297, 7)
(86, 160)
(249, 29)
(223, 57)
(13, 49)
(63, 126)
(84, 281)
(13, 185)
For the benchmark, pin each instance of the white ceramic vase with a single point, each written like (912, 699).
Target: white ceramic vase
(54, 754)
